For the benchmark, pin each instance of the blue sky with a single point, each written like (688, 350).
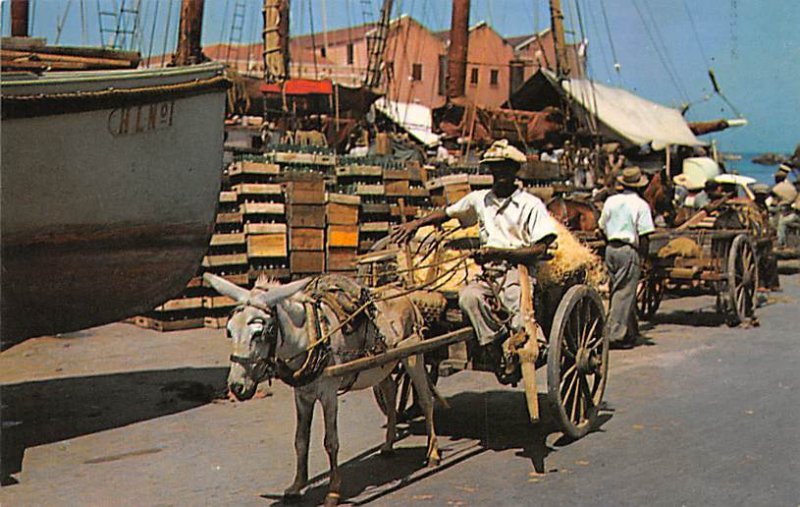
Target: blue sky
(752, 45)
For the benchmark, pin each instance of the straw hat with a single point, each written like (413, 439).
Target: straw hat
(684, 180)
(632, 177)
(502, 151)
(785, 169)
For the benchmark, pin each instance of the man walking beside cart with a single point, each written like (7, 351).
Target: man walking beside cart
(515, 228)
(626, 221)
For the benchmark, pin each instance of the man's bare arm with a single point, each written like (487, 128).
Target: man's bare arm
(516, 255)
(404, 232)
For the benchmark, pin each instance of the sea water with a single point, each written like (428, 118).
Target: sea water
(745, 167)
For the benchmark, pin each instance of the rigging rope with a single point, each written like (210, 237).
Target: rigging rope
(152, 36)
(617, 65)
(60, 22)
(166, 35)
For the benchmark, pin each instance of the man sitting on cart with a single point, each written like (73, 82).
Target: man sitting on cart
(515, 228)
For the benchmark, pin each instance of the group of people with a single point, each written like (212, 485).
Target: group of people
(784, 203)
(516, 228)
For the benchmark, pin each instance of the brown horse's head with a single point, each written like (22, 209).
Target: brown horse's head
(659, 194)
(574, 214)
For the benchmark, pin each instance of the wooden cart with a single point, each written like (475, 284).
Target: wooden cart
(574, 348)
(725, 260)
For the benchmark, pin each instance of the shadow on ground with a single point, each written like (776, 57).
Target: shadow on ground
(497, 420)
(36, 413)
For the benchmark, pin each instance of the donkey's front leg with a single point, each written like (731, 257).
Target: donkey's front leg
(304, 406)
(330, 407)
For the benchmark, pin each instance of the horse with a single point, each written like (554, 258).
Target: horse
(659, 194)
(576, 215)
(289, 332)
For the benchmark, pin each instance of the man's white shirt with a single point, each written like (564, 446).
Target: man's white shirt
(520, 222)
(626, 217)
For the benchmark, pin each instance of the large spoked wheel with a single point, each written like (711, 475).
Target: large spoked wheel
(406, 406)
(577, 360)
(649, 293)
(742, 280)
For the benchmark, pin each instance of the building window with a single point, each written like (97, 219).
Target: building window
(416, 72)
(493, 77)
(350, 56)
(473, 78)
(322, 52)
(517, 75)
(442, 74)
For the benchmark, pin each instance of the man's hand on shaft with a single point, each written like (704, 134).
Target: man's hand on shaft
(403, 232)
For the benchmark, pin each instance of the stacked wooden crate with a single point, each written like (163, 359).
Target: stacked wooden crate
(341, 238)
(305, 197)
(364, 178)
(263, 210)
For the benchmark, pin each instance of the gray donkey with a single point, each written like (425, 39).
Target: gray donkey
(274, 329)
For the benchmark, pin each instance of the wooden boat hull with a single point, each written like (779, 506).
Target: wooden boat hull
(109, 192)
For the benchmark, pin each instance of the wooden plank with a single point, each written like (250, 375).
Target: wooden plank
(340, 259)
(306, 215)
(408, 211)
(218, 302)
(258, 189)
(345, 199)
(168, 325)
(341, 214)
(266, 245)
(236, 238)
(290, 157)
(305, 238)
(370, 189)
(395, 354)
(196, 281)
(229, 218)
(213, 261)
(418, 192)
(396, 174)
(306, 191)
(182, 304)
(262, 208)
(307, 262)
(324, 159)
(343, 236)
(228, 197)
(359, 170)
(374, 227)
(258, 168)
(251, 229)
(396, 188)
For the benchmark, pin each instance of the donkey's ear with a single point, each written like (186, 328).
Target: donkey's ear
(226, 288)
(275, 295)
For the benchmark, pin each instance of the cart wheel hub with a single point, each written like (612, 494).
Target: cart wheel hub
(586, 361)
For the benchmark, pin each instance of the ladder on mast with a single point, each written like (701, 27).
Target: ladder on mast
(124, 27)
(237, 29)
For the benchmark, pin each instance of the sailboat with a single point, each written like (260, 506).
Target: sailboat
(110, 181)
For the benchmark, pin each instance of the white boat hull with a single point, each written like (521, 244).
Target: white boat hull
(108, 204)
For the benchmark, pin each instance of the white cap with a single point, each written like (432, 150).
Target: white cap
(501, 151)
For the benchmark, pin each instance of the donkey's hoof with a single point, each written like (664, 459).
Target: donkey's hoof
(434, 462)
(387, 451)
(331, 499)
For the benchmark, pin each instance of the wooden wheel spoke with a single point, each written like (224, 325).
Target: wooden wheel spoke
(591, 336)
(588, 402)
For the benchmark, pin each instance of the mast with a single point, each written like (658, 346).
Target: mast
(189, 50)
(19, 18)
(457, 53)
(376, 47)
(557, 23)
(276, 40)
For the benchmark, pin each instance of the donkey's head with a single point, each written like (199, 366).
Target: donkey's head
(254, 328)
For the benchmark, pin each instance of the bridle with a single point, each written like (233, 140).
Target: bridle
(259, 368)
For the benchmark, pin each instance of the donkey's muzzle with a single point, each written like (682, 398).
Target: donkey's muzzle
(241, 393)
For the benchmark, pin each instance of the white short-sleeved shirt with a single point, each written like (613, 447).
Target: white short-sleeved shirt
(522, 222)
(625, 217)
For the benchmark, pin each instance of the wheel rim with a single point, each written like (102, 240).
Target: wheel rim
(743, 278)
(649, 292)
(578, 362)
